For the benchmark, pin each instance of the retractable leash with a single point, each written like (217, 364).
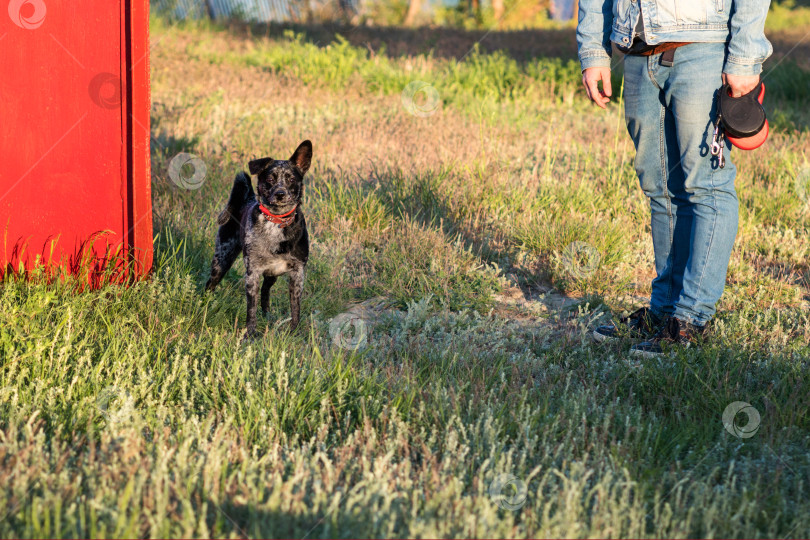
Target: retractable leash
(742, 120)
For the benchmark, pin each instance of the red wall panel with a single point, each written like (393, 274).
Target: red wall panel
(74, 132)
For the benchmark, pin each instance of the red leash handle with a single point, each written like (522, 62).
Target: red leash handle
(739, 140)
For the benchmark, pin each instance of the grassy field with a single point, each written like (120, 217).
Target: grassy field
(472, 218)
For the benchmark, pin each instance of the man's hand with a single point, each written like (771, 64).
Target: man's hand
(740, 84)
(591, 78)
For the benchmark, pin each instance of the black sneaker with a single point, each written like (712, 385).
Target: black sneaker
(674, 333)
(641, 324)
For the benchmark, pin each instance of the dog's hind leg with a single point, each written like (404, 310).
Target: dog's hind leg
(228, 243)
(268, 282)
(227, 250)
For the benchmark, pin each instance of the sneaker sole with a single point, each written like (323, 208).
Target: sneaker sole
(601, 338)
(649, 355)
(645, 354)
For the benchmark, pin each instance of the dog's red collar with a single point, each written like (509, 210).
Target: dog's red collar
(281, 220)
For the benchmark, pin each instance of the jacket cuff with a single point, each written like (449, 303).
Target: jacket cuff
(594, 59)
(739, 66)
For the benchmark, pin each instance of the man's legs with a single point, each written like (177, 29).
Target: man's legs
(706, 199)
(652, 127)
(670, 113)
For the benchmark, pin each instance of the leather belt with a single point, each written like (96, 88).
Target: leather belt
(663, 47)
(666, 50)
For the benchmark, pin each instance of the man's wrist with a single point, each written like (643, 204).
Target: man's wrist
(737, 67)
(594, 61)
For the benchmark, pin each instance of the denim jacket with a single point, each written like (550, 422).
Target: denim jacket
(740, 23)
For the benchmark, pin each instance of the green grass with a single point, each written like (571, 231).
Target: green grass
(136, 411)
(787, 15)
(338, 65)
(478, 78)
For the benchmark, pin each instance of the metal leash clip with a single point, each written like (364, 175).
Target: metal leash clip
(718, 142)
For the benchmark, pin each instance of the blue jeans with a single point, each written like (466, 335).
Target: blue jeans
(669, 113)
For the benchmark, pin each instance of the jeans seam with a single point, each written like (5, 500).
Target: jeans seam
(652, 61)
(662, 148)
(650, 73)
(708, 245)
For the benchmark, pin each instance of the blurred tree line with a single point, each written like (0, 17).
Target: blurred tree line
(458, 13)
(470, 14)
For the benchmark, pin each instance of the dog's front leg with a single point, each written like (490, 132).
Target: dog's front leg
(268, 282)
(296, 279)
(252, 292)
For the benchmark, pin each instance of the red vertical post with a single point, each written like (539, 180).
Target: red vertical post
(74, 136)
(140, 105)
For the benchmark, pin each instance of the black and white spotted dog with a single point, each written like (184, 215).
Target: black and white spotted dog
(269, 229)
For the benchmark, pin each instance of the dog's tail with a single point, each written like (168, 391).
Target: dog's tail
(242, 195)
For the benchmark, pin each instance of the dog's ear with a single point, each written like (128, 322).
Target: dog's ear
(258, 165)
(302, 157)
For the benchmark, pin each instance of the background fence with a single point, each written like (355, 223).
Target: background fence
(284, 10)
(252, 10)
